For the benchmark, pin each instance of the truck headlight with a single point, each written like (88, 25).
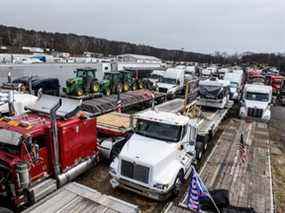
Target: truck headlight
(161, 186)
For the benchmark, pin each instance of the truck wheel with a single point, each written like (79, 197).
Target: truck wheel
(95, 87)
(108, 92)
(79, 92)
(205, 146)
(199, 150)
(178, 183)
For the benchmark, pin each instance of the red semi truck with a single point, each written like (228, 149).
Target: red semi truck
(44, 149)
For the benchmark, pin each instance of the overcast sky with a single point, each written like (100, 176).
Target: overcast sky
(195, 25)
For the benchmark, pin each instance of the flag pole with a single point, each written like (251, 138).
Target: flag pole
(209, 195)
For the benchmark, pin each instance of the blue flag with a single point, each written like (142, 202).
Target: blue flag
(197, 191)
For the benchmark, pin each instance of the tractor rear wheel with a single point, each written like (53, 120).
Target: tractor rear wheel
(107, 92)
(95, 87)
(126, 87)
(140, 85)
(79, 92)
(134, 87)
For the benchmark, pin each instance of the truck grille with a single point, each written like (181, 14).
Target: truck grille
(135, 171)
(254, 112)
(163, 90)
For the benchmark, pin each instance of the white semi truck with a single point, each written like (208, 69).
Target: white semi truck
(172, 82)
(158, 156)
(256, 102)
(235, 79)
(213, 93)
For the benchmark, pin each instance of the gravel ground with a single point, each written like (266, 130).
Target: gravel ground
(277, 136)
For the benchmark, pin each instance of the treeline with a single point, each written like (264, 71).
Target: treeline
(15, 38)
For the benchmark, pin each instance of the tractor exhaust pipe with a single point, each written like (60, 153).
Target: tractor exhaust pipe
(55, 137)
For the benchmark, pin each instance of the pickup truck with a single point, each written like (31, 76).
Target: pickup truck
(157, 158)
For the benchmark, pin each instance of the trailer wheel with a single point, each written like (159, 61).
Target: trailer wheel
(199, 150)
(205, 146)
(178, 183)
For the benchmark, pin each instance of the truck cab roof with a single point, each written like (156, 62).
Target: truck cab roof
(258, 88)
(163, 117)
(215, 82)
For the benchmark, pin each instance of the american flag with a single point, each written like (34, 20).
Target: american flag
(242, 150)
(197, 191)
(119, 106)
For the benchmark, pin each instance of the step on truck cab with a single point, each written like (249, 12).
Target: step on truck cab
(43, 149)
(256, 102)
(158, 156)
(213, 93)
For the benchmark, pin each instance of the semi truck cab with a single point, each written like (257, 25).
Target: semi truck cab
(213, 93)
(158, 156)
(172, 82)
(256, 102)
(41, 152)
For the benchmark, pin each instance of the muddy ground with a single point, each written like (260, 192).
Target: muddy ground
(277, 136)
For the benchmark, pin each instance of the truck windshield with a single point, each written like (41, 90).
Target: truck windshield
(161, 131)
(233, 84)
(254, 96)
(12, 149)
(211, 92)
(168, 80)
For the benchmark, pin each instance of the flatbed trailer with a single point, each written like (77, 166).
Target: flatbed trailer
(248, 182)
(106, 104)
(75, 197)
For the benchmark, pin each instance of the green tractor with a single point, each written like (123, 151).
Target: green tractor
(84, 83)
(111, 83)
(130, 80)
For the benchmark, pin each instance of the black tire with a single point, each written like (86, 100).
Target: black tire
(178, 183)
(79, 92)
(94, 87)
(199, 150)
(107, 92)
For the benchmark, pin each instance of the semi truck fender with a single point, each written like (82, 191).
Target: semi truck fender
(170, 172)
